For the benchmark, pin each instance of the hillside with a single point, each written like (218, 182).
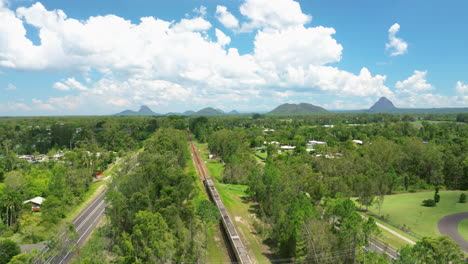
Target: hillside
(209, 111)
(143, 111)
(302, 108)
(383, 105)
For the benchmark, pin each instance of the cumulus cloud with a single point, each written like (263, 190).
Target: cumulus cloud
(226, 18)
(194, 24)
(38, 104)
(396, 46)
(414, 84)
(461, 88)
(156, 61)
(297, 46)
(276, 14)
(223, 40)
(200, 10)
(414, 92)
(19, 106)
(69, 84)
(10, 87)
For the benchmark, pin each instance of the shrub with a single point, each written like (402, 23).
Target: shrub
(429, 203)
(8, 249)
(436, 195)
(462, 198)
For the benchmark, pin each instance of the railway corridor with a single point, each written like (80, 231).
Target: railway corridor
(238, 248)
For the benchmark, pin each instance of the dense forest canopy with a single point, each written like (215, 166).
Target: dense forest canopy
(302, 191)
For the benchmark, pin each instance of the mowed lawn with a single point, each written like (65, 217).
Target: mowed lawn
(406, 210)
(463, 229)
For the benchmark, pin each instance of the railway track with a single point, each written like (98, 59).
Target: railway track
(229, 231)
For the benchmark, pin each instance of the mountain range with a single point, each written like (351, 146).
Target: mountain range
(383, 105)
(302, 108)
(146, 111)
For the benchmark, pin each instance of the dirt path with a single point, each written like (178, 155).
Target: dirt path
(448, 225)
(395, 233)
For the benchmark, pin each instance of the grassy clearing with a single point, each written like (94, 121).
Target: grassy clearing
(391, 240)
(216, 249)
(215, 168)
(261, 155)
(241, 210)
(406, 210)
(463, 229)
(242, 213)
(395, 229)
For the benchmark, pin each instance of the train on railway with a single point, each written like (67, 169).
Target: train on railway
(238, 247)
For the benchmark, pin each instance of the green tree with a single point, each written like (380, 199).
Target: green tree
(152, 240)
(462, 198)
(438, 250)
(8, 249)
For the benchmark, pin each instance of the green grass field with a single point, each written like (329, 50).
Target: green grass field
(261, 155)
(406, 210)
(463, 229)
(241, 210)
(391, 239)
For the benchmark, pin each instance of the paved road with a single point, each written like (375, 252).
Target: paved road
(449, 226)
(84, 223)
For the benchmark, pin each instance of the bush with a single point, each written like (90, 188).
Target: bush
(8, 249)
(462, 198)
(436, 195)
(429, 203)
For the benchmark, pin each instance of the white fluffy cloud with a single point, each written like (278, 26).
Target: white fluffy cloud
(461, 88)
(297, 46)
(414, 84)
(223, 40)
(276, 14)
(200, 10)
(38, 104)
(194, 24)
(69, 84)
(226, 18)
(414, 92)
(184, 62)
(10, 87)
(396, 46)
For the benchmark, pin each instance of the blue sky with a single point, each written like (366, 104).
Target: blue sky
(101, 57)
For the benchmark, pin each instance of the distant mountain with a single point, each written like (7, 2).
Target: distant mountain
(383, 105)
(233, 112)
(209, 111)
(189, 113)
(144, 111)
(302, 108)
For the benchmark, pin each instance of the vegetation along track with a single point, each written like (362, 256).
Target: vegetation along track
(237, 246)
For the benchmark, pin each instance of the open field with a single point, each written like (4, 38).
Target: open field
(390, 239)
(261, 155)
(240, 208)
(463, 229)
(406, 210)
